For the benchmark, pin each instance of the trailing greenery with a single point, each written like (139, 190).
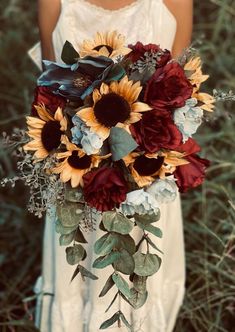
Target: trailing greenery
(208, 212)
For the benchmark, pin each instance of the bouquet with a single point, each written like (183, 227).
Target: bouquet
(110, 135)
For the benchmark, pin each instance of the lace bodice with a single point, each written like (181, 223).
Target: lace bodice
(148, 21)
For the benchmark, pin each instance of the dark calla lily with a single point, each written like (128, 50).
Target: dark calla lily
(81, 78)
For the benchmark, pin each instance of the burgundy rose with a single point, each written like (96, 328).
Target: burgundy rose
(104, 188)
(168, 88)
(138, 51)
(189, 147)
(191, 175)
(156, 130)
(43, 95)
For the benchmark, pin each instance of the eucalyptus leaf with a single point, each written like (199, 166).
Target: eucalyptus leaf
(122, 285)
(140, 242)
(152, 244)
(121, 143)
(125, 262)
(105, 244)
(112, 302)
(116, 222)
(108, 285)
(147, 218)
(150, 228)
(63, 230)
(76, 272)
(75, 254)
(109, 322)
(66, 239)
(85, 273)
(139, 283)
(125, 322)
(125, 242)
(69, 55)
(146, 264)
(137, 299)
(79, 237)
(69, 214)
(101, 227)
(104, 261)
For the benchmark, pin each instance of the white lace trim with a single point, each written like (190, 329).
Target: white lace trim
(109, 11)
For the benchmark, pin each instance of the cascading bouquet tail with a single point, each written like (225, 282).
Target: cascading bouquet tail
(113, 127)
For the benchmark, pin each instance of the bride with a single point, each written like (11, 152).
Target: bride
(75, 307)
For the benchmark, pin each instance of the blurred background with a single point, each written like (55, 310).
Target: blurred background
(209, 211)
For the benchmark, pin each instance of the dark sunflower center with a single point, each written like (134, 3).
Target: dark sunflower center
(79, 162)
(148, 166)
(51, 135)
(109, 48)
(111, 109)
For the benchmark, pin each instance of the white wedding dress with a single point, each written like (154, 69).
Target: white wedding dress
(76, 307)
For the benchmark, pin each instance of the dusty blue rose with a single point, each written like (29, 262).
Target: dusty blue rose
(188, 118)
(140, 202)
(84, 137)
(163, 191)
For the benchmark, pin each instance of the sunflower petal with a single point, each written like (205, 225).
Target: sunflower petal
(140, 107)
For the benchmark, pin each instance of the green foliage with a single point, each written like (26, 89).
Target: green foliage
(116, 222)
(121, 143)
(84, 273)
(69, 54)
(146, 264)
(75, 254)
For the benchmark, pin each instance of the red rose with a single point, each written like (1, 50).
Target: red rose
(104, 188)
(191, 175)
(44, 95)
(168, 88)
(156, 130)
(189, 147)
(138, 51)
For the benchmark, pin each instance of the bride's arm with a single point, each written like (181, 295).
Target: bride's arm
(48, 14)
(183, 12)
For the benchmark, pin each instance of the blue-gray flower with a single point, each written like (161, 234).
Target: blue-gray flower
(79, 80)
(163, 191)
(140, 202)
(188, 118)
(84, 137)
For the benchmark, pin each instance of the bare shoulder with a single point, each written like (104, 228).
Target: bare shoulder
(180, 7)
(52, 5)
(49, 11)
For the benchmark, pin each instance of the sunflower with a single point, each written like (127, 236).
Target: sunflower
(114, 105)
(146, 167)
(194, 66)
(207, 101)
(196, 77)
(109, 44)
(75, 163)
(45, 130)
